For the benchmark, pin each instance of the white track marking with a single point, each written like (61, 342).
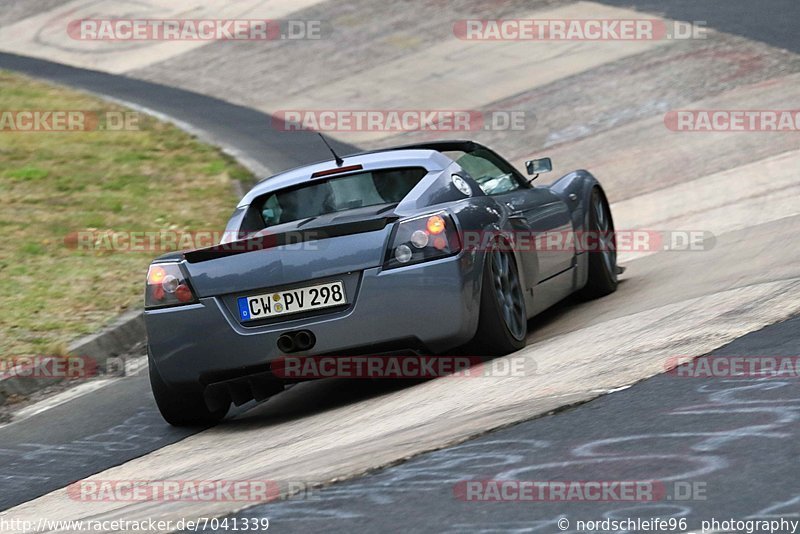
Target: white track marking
(133, 366)
(59, 399)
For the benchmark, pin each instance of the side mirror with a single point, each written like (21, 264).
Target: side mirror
(538, 166)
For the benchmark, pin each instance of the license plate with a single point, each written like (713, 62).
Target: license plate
(292, 301)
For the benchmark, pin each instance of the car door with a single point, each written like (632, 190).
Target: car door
(534, 212)
(548, 219)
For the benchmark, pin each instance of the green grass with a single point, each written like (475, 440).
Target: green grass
(55, 183)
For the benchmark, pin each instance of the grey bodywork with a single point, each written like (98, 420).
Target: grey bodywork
(427, 307)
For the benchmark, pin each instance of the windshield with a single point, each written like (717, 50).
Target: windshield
(494, 176)
(371, 188)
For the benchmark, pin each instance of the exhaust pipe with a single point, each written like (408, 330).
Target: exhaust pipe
(296, 341)
(286, 343)
(304, 340)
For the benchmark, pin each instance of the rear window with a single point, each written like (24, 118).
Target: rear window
(370, 188)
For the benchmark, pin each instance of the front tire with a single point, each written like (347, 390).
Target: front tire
(180, 408)
(502, 324)
(602, 278)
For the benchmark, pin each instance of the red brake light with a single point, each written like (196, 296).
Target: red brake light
(158, 293)
(183, 293)
(337, 170)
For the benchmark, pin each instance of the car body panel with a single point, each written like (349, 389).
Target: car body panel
(289, 264)
(207, 338)
(427, 307)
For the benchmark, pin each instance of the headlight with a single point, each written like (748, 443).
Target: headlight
(422, 238)
(167, 286)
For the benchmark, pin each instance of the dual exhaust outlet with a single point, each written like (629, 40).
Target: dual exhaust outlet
(299, 341)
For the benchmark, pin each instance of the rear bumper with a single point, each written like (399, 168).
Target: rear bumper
(432, 306)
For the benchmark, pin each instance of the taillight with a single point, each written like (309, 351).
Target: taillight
(421, 239)
(167, 286)
(435, 225)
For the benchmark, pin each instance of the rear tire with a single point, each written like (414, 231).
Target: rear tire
(602, 263)
(180, 408)
(502, 324)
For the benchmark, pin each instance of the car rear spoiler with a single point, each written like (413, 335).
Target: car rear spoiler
(266, 240)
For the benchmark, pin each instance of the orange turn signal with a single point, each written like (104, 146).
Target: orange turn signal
(435, 225)
(155, 275)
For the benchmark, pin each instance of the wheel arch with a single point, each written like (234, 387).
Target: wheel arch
(578, 185)
(517, 261)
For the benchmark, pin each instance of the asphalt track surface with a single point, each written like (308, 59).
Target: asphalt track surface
(721, 447)
(119, 422)
(79, 438)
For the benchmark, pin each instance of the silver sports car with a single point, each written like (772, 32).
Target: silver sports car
(414, 250)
